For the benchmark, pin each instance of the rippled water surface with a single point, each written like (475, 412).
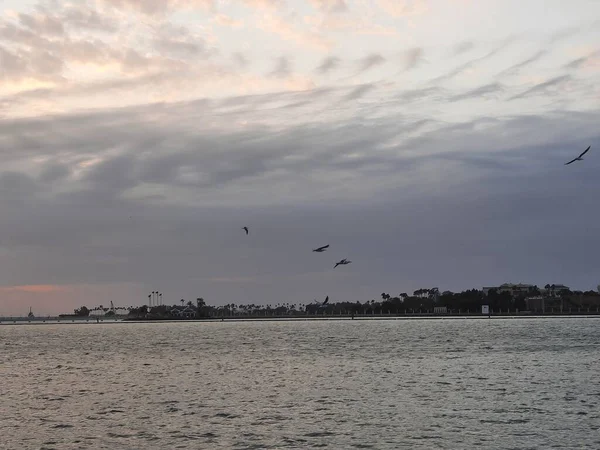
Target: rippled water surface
(415, 384)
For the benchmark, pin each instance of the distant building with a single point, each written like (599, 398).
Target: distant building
(486, 289)
(515, 290)
(440, 310)
(556, 290)
(183, 312)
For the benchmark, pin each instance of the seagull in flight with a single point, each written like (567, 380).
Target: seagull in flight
(343, 262)
(579, 158)
(321, 249)
(322, 305)
(246, 230)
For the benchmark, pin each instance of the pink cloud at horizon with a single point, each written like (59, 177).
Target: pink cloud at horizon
(58, 299)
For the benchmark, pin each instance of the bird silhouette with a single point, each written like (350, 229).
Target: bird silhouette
(246, 230)
(321, 249)
(321, 305)
(579, 158)
(343, 262)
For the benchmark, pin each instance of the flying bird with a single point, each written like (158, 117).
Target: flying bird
(321, 249)
(321, 305)
(245, 229)
(579, 158)
(343, 262)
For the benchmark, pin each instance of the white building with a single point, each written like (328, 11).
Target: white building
(185, 312)
(556, 290)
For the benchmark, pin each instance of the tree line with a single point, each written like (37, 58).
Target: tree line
(421, 301)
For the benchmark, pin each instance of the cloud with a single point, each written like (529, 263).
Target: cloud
(158, 7)
(31, 57)
(420, 94)
(240, 59)
(264, 4)
(54, 172)
(330, 6)
(42, 23)
(527, 62)
(134, 148)
(33, 289)
(358, 92)
(86, 187)
(463, 47)
(469, 64)
(282, 68)
(17, 187)
(584, 61)
(361, 25)
(178, 42)
(227, 21)
(330, 63)
(480, 92)
(413, 57)
(83, 17)
(13, 65)
(370, 61)
(286, 29)
(403, 8)
(547, 87)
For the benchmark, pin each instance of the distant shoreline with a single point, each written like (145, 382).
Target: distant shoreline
(86, 320)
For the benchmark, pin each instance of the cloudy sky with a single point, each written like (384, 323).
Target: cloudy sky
(425, 140)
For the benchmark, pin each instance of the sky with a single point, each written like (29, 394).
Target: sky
(424, 140)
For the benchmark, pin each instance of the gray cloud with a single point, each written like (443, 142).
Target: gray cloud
(430, 93)
(413, 57)
(482, 91)
(157, 7)
(283, 68)
(370, 61)
(54, 172)
(155, 195)
(178, 42)
(358, 92)
(544, 88)
(43, 24)
(473, 62)
(85, 18)
(463, 47)
(579, 62)
(240, 59)
(339, 183)
(330, 63)
(527, 62)
(13, 65)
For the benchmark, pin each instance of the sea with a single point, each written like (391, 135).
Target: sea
(336, 384)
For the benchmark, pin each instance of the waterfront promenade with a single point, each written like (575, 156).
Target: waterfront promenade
(573, 312)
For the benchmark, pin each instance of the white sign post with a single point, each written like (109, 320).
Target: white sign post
(485, 309)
